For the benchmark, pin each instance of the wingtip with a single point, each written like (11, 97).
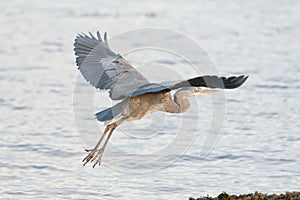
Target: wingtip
(92, 36)
(235, 81)
(85, 35)
(242, 80)
(99, 36)
(79, 35)
(105, 39)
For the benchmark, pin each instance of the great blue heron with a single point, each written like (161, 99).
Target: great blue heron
(106, 70)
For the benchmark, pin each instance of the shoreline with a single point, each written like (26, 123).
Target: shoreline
(255, 196)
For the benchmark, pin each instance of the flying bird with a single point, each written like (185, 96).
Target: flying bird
(107, 70)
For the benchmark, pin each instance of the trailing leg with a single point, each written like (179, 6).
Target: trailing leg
(91, 155)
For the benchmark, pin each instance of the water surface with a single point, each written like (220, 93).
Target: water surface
(40, 148)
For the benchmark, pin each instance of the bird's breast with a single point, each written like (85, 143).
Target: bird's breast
(142, 105)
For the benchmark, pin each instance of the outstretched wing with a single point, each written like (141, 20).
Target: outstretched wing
(104, 69)
(201, 81)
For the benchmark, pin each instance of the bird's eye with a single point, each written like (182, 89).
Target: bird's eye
(116, 61)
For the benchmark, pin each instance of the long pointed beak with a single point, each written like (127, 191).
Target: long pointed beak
(205, 91)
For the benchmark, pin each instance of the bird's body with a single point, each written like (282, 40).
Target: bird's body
(137, 107)
(106, 70)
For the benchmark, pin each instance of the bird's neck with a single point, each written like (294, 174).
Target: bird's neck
(181, 100)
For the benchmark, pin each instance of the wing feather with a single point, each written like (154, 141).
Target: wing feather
(201, 81)
(103, 68)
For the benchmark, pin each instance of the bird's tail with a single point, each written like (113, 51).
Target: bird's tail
(105, 115)
(112, 112)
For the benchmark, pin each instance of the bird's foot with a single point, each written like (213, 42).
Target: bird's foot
(94, 155)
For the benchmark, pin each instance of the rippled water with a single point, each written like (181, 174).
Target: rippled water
(40, 148)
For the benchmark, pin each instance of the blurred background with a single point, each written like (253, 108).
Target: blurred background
(40, 151)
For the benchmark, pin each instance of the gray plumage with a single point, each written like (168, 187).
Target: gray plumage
(105, 69)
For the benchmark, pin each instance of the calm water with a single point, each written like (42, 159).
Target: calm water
(41, 150)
